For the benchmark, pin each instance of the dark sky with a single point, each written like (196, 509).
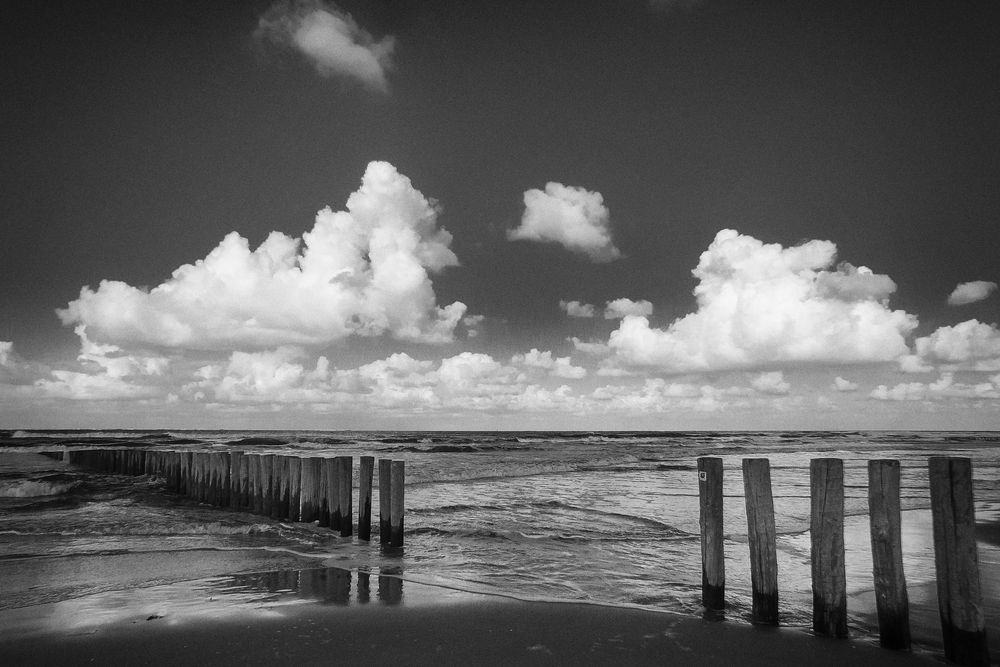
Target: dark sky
(137, 135)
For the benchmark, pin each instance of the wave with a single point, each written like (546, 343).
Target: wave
(258, 441)
(29, 488)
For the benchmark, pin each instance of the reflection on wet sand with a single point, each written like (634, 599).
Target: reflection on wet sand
(329, 585)
(261, 595)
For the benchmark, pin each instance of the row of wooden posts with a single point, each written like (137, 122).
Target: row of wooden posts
(279, 486)
(959, 595)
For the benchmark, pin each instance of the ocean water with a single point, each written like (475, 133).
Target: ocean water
(608, 518)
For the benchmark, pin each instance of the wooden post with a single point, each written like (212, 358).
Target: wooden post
(198, 474)
(713, 563)
(331, 470)
(346, 493)
(226, 483)
(310, 490)
(365, 498)
(281, 488)
(960, 598)
(253, 479)
(761, 536)
(826, 529)
(324, 499)
(891, 599)
(184, 473)
(294, 487)
(267, 487)
(398, 475)
(384, 500)
(236, 480)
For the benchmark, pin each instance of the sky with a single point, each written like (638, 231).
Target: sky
(590, 215)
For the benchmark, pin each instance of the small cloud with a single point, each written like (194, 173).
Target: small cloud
(840, 384)
(619, 308)
(560, 367)
(329, 39)
(595, 348)
(944, 388)
(578, 309)
(571, 216)
(966, 293)
(771, 383)
(970, 345)
(472, 324)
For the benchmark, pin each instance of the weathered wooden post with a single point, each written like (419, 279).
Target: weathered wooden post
(891, 599)
(960, 599)
(294, 487)
(187, 470)
(268, 486)
(365, 498)
(761, 536)
(236, 480)
(253, 483)
(345, 488)
(226, 484)
(713, 559)
(310, 489)
(324, 501)
(279, 510)
(197, 476)
(384, 500)
(398, 475)
(826, 529)
(332, 476)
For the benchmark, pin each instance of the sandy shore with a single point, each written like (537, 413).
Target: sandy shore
(335, 616)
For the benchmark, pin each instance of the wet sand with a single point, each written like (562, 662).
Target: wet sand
(336, 616)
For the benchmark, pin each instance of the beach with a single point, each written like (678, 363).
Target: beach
(412, 624)
(528, 548)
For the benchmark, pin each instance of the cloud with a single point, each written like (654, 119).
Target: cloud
(571, 216)
(944, 388)
(761, 304)
(561, 367)
(969, 345)
(772, 382)
(329, 39)
(109, 374)
(364, 272)
(972, 292)
(619, 308)
(840, 384)
(577, 309)
(594, 348)
(472, 324)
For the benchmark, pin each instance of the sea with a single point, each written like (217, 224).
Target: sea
(604, 518)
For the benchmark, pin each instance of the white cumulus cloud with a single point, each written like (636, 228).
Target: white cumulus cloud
(619, 308)
(971, 292)
(840, 384)
(561, 367)
(772, 382)
(329, 39)
(943, 388)
(578, 309)
(761, 304)
(363, 271)
(969, 345)
(571, 216)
